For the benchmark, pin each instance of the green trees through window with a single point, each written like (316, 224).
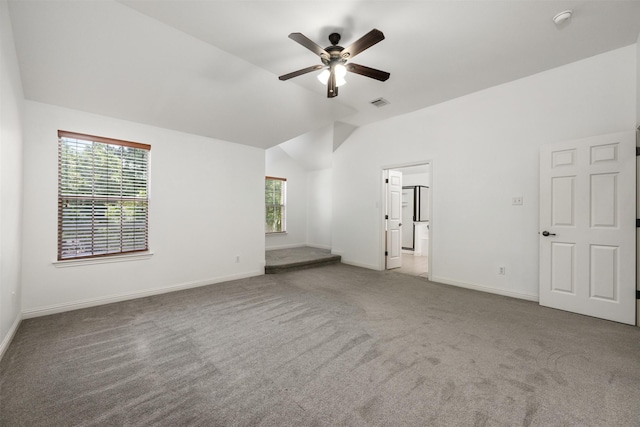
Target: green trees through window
(102, 196)
(275, 201)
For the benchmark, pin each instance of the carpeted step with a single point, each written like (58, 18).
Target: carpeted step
(302, 265)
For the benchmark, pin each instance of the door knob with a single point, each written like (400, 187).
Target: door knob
(546, 233)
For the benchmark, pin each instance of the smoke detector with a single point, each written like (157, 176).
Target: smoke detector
(562, 16)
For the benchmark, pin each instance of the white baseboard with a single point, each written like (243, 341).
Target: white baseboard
(9, 337)
(76, 305)
(476, 287)
(358, 264)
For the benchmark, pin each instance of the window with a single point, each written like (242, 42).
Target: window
(102, 196)
(275, 199)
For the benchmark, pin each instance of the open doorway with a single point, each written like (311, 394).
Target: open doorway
(415, 220)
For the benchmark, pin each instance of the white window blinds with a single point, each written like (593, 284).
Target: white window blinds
(103, 203)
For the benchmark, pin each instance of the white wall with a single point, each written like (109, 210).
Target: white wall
(206, 208)
(11, 140)
(279, 164)
(319, 208)
(312, 150)
(484, 148)
(415, 179)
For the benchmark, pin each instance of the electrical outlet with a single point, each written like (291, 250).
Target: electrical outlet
(517, 201)
(502, 271)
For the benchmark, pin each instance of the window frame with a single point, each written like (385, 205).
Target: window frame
(283, 206)
(138, 201)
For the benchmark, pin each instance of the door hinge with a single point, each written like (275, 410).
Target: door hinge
(637, 151)
(386, 217)
(386, 181)
(386, 253)
(637, 222)
(637, 294)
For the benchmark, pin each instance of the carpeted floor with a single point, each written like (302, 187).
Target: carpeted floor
(331, 346)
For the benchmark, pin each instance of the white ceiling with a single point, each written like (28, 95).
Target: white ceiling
(211, 67)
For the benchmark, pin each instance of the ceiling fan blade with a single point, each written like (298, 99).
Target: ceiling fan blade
(368, 72)
(332, 89)
(300, 72)
(308, 43)
(365, 42)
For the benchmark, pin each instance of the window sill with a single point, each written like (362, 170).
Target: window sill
(276, 233)
(103, 260)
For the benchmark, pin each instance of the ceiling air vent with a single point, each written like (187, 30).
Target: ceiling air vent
(380, 102)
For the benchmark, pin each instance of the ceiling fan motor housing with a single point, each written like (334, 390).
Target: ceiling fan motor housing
(335, 52)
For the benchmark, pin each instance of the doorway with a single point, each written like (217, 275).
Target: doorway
(415, 221)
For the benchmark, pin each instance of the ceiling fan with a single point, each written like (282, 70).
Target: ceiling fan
(334, 60)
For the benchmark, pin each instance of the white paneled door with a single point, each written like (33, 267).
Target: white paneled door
(394, 219)
(587, 226)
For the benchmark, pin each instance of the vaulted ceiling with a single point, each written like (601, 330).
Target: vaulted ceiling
(211, 67)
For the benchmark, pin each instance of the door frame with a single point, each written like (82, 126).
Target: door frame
(382, 206)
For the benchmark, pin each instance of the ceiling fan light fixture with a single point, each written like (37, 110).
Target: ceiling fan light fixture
(323, 77)
(340, 71)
